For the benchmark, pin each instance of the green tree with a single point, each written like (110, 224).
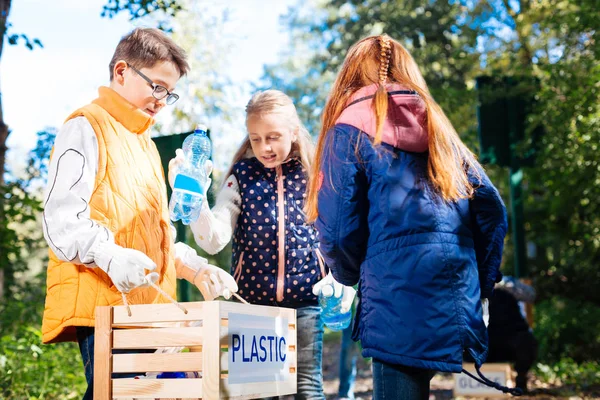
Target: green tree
(162, 11)
(7, 234)
(555, 43)
(439, 35)
(27, 369)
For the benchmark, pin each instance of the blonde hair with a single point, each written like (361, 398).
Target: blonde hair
(277, 102)
(380, 60)
(144, 47)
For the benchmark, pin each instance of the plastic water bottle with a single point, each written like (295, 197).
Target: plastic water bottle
(331, 307)
(190, 182)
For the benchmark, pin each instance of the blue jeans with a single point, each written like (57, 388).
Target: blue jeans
(397, 382)
(310, 353)
(348, 358)
(85, 338)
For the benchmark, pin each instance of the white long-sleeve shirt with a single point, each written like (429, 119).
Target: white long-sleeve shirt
(66, 222)
(214, 228)
(68, 229)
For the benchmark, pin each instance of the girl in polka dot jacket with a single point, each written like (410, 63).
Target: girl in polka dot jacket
(275, 252)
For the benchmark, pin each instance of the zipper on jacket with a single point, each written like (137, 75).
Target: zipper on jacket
(321, 262)
(238, 271)
(280, 235)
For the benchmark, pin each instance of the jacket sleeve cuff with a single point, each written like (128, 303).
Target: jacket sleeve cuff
(102, 253)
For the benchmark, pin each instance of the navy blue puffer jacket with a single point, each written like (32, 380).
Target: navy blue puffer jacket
(422, 264)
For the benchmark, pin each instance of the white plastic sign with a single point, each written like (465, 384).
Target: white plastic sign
(258, 348)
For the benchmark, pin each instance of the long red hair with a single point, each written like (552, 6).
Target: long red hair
(380, 60)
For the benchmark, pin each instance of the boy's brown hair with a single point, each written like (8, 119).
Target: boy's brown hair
(144, 47)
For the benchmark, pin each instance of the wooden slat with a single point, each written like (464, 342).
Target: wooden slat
(225, 322)
(144, 313)
(211, 371)
(157, 337)
(157, 388)
(251, 309)
(224, 337)
(103, 353)
(224, 361)
(176, 362)
(157, 325)
(293, 365)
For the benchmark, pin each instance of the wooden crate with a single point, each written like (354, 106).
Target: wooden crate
(466, 386)
(240, 351)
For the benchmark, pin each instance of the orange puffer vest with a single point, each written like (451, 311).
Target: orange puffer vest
(129, 198)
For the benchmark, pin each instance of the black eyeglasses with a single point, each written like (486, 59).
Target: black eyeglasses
(158, 91)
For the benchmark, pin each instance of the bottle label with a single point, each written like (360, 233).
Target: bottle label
(191, 185)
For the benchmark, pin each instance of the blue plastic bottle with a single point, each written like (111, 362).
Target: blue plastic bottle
(190, 182)
(331, 310)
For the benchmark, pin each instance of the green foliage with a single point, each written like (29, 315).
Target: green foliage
(207, 87)
(15, 38)
(584, 376)
(164, 10)
(20, 236)
(439, 35)
(17, 231)
(564, 187)
(567, 328)
(28, 369)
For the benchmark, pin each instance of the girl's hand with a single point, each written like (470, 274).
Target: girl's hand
(347, 293)
(211, 280)
(174, 166)
(176, 163)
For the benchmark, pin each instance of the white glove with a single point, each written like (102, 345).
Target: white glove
(485, 305)
(176, 163)
(212, 281)
(347, 293)
(125, 267)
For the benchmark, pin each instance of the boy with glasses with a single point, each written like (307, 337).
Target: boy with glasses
(106, 216)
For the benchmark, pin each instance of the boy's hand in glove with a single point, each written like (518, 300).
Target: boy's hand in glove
(125, 267)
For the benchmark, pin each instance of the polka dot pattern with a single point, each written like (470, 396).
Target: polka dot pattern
(255, 257)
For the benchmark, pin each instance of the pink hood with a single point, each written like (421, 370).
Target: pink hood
(405, 126)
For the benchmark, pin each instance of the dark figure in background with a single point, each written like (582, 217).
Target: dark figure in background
(510, 337)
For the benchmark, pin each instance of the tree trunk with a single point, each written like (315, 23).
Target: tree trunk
(4, 10)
